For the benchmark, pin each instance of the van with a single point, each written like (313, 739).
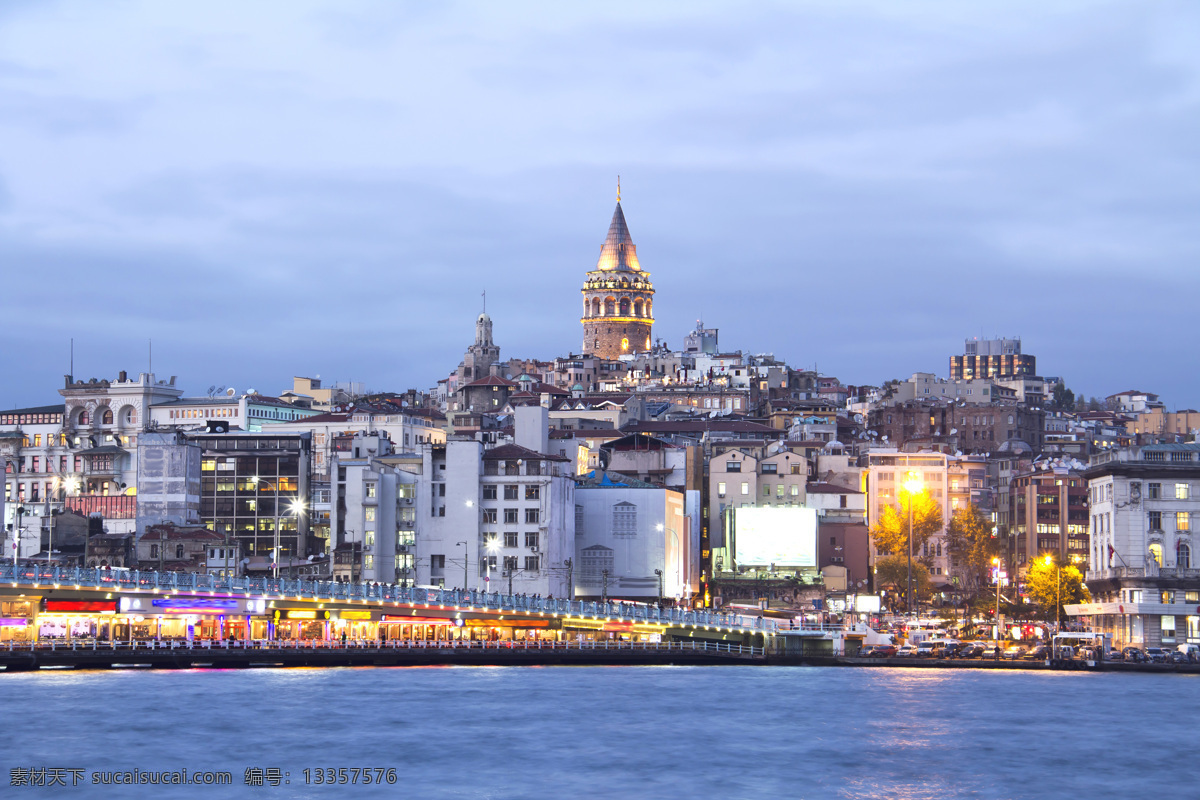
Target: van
(1192, 651)
(925, 648)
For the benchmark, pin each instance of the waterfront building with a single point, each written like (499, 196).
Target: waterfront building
(618, 297)
(1141, 570)
(633, 540)
(1048, 515)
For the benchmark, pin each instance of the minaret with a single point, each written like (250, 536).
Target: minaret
(618, 297)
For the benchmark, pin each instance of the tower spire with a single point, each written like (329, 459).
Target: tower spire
(618, 188)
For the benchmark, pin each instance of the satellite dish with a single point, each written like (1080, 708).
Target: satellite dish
(251, 391)
(230, 392)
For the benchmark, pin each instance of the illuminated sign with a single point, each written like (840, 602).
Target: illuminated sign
(507, 623)
(362, 615)
(93, 606)
(867, 603)
(192, 605)
(779, 535)
(13, 622)
(423, 620)
(300, 614)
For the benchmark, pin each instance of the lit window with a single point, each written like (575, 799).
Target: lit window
(1181, 491)
(745, 488)
(1182, 521)
(721, 489)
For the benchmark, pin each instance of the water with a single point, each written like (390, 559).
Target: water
(619, 732)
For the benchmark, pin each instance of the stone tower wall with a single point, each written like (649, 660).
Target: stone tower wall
(603, 337)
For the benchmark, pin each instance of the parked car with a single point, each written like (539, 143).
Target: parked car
(971, 650)
(946, 650)
(1156, 655)
(925, 649)
(1114, 655)
(907, 651)
(1177, 657)
(1133, 654)
(1038, 652)
(882, 651)
(1013, 652)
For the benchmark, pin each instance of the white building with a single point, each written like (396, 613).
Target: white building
(633, 540)
(375, 515)
(1142, 571)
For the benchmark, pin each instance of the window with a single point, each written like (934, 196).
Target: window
(154, 551)
(842, 501)
(1166, 597)
(1181, 491)
(1156, 553)
(1155, 518)
(779, 490)
(510, 539)
(533, 493)
(770, 469)
(511, 491)
(1181, 521)
(766, 490)
(795, 491)
(1168, 627)
(795, 469)
(369, 514)
(531, 563)
(721, 489)
(1183, 560)
(510, 516)
(624, 521)
(179, 551)
(745, 488)
(437, 563)
(1153, 491)
(370, 490)
(441, 490)
(531, 540)
(733, 466)
(510, 562)
(489, 492)
(489, 516)
(531, 516)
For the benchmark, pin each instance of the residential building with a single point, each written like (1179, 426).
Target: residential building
(1048, 513)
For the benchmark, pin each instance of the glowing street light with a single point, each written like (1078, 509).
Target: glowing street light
(1049, 562)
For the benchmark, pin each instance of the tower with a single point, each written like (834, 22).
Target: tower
(618, 297)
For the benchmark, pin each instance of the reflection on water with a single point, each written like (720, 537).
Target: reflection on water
(656, 732)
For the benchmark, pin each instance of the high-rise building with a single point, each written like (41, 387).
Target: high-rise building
(618, 297)
(991, 358)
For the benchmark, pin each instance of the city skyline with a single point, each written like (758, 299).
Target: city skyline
(294, 190)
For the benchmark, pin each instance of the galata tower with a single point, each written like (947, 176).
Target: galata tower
(618, 298)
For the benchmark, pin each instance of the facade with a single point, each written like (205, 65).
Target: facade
(618, 297)
(254, 492)
(1142, 570)
(991, 358)
(886, 473)
(955, 426)
(1048, 513)
(374, 518)
(633, 541)
(176, 548)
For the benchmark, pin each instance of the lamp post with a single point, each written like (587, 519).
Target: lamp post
(493, 547)
(464, 547)
(996, 564)
(1057, 593)
(913, 486)
(658, 572)
(17, 536)
(296, 507)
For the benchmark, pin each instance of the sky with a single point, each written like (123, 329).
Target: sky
(273, 189)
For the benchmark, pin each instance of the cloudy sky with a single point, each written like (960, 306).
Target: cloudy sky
(294, 188)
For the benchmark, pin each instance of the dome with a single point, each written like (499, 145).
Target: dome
(1016, 447)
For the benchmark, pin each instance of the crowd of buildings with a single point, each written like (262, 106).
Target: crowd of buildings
(698, 476)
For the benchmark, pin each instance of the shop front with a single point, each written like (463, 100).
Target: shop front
(178, 618)
(16, 620)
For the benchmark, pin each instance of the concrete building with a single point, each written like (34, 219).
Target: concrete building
(374, 523)
(618, 297)
(632, 540)
(1142, 570)
(1048, 515)
(957, 426)
(992, 358)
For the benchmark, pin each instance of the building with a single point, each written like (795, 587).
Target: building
(633, 541)
(254, 492)
(482, 358)
(176, 548)
(618, 297)
(1047, 515)
(957, 426)
(991, 358)
(1142, 571)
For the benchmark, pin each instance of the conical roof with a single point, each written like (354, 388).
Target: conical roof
(618, 250)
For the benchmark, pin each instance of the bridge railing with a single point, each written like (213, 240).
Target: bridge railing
(275, 588)
(266, 646)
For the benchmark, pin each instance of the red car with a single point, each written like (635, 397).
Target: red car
(882, 651)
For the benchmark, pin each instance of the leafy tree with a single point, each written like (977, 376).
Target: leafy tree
(1062, 399)
(891, 572)
(972, 546)
(1094, 405)
(1043, 586)
(890, 534)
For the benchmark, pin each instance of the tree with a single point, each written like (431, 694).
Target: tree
(1043, 587)
(972, 546)
(1062, 398)
(891, 572)
(890, 534)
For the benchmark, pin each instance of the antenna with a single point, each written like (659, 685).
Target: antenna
(72, 358)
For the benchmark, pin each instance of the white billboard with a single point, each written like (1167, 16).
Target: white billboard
(785, 536)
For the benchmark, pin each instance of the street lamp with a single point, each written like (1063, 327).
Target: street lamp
(493, 547)
(996, 564)
(464, 547)
(913, 486)
(658, 572)
(296, 507)
(1058, 592)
